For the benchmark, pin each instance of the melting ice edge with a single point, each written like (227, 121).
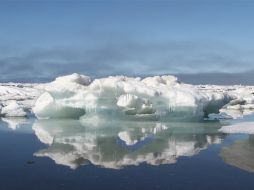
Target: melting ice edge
(156, 98)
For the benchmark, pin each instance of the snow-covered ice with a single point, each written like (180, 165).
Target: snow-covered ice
(17, 100)
(156, 98)
(13, 109)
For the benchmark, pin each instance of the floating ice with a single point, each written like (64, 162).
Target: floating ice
(76, 95)
(151, 98)
(74, 78)
(244, 127)
(16, 100)
(13, 109)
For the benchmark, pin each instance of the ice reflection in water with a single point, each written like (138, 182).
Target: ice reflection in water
(119, 144)
(15, 122)
(240, 154)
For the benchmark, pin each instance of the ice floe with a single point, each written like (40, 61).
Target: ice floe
(17, 100)
(151, 98)
(243, 127)
(13, 109)
(124, 96)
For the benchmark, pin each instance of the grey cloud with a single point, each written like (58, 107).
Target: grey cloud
(220, 78)
(128, 58)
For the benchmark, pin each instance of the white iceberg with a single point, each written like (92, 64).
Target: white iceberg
(151, 98)
(76, 95)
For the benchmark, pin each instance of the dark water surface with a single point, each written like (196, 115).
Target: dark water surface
(69, 154)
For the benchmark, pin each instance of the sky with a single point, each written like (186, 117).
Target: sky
(201, 41)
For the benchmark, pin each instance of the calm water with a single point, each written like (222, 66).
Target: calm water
(69, 154)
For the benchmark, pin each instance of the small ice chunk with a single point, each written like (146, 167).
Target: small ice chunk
(155, 81)
(43, 104)
(74, 78)
(13, 109)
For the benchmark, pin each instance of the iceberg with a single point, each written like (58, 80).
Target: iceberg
(156, 98)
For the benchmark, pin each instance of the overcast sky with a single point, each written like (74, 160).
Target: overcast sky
(40, 40)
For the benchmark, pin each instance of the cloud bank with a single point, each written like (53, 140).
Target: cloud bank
(186, 59)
